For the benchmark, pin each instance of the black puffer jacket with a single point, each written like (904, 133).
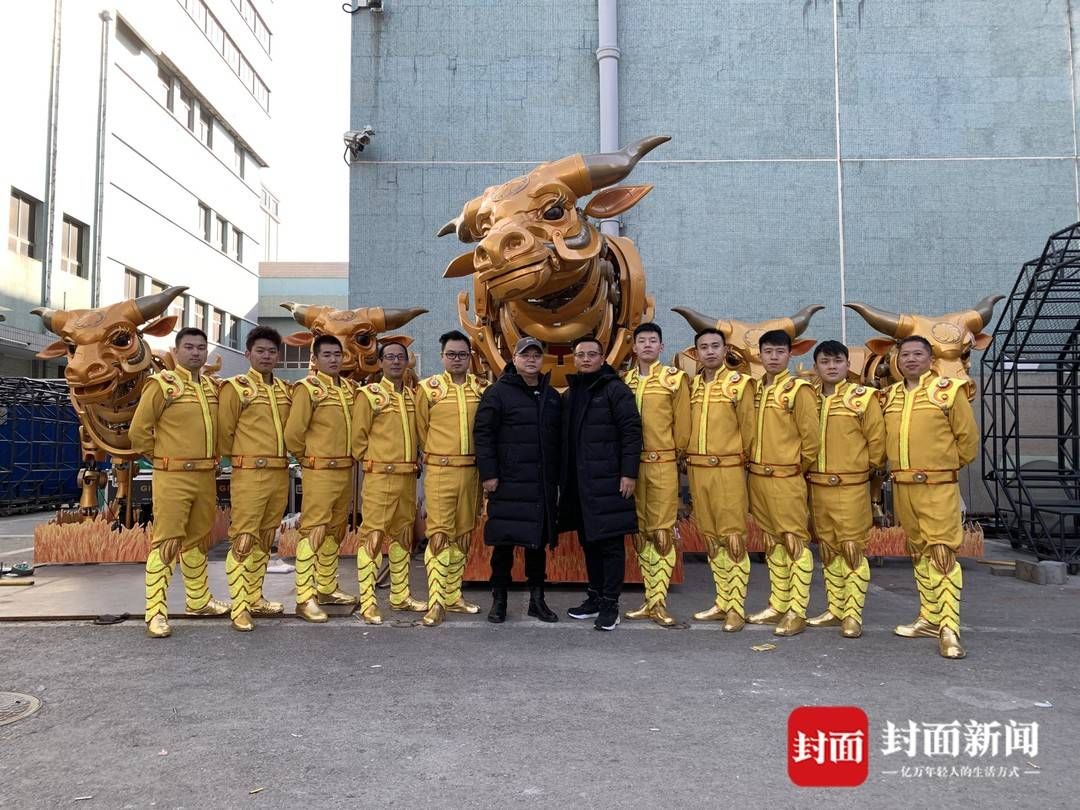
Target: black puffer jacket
(517, 441)
(601, 443)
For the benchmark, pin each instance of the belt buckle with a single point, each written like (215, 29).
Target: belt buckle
(919, 477)
(389, 468)
(834, 480)
(713, 461)
(189, 465)
(332, 462)
(444, 461)
(653, 456)
(768, 470)
(260, 462)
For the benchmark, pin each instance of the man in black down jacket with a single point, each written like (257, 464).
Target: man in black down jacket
(601, 450)
(516, 434)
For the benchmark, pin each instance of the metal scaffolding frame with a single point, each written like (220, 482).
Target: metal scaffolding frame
(1030, 402)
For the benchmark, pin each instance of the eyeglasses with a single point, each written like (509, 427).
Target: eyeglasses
(456, 355)
(587, 355)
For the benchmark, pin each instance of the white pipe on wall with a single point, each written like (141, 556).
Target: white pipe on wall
(607, 58)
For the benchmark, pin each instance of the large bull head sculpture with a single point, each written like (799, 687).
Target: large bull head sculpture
(357, 329)
(953, 337)
(108, 363)
(742, 337)
(542, 269)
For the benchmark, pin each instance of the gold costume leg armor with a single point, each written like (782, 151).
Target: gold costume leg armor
(193, 566)
(241, 573)
(855, 584)
(368, 560)
(261, 558)
(458, 555)
(718, 566)
(779, 564)
(737, 569)
(801, 568)
(664, 542)
(644, 550)
(159, 569)
(945, 580)
(925, 625)
(400, 597)
(832, 569)
(307, 606)
(438, 563)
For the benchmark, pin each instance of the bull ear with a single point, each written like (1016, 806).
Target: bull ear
(161, 327)
(57, 349)
(460, 267)
(880, 346)
(298, 339)
(982, 340)
(401, 340)
(801, 347)
(610, 202)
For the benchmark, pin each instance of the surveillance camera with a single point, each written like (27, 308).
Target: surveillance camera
(356, 140)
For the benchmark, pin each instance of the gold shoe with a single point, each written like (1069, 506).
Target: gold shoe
(243, 623)
(661, 616)
(769, 615)
(920, 628)
(851, 628)
(461, 606)
(215, 607)
(310, 611)
(642, 612)
(435, 615)
(264, 607)
(733, 622)
(409, 604)
(371, 615)
(336, 598)
(949, 644)
(158, 627)
(713, 614)
(790, 625)
(826, 619)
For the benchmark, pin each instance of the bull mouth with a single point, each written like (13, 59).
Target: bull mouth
(534, 261)
(94, 392)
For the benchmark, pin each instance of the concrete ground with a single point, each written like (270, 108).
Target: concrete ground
(524, 714)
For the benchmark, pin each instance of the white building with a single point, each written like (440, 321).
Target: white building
(134, 141)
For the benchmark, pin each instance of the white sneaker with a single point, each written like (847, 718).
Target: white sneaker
(279, 566)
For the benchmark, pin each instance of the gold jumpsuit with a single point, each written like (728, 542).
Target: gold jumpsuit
(852, 446)
(174, 426)
(319, 433)
(785, 446)
(721, 432)
(251, 432)
(384, 441)
(930, 434)
(445, 412)
(663, 399)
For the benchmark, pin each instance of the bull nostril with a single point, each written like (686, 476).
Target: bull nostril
(514, 242)
(481, 254)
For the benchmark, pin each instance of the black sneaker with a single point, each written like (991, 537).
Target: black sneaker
(608, 617)
(589, 609)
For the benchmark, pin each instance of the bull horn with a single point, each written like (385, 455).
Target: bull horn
(299, 312)
(395, 318)
(888, 323)
(608, 168)
(46, 316)
(150, 306)
(449, 228)
(985, 308)
(801, 319)
(696, 320)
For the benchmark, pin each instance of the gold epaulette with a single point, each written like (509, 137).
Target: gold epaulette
(944, 392)
(376, 395)
(172, 385)
(316, 388)
(735, 385)
(245, 389)
(671, 378)
(887, 395)
(434, 389)
(789, 390)
(857, 398)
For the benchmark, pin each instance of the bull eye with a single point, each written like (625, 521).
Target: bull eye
(363, 340)
(555, 212)
(121, 340)
(71, 349)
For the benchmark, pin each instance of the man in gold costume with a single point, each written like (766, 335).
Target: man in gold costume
(174, 426)
(445, 410)
(930, 434)
(721, 432)
(252, 413)
(852, 448)
(785, 446)
(663, 399)
(384, 442)
(319, 433)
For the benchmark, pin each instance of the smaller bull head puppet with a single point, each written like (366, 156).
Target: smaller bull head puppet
(542, 269)
(953, 337)
(359, 331)
(742, 337)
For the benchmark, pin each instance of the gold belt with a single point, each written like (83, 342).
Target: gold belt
(339, 463)
(774, 470)
(184, 464)
(391, 467)
(838, 479)
(657, 456)
(449, 460)
(925, 476)
(259, 462)
(703, 460)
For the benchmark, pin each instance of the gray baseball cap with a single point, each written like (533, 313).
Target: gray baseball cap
(526, 343)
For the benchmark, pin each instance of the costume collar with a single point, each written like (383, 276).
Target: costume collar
(258, 377)
(326, 378)
(780, 378)
(185, 375)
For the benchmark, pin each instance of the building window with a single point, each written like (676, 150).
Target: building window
(204, 221)
(231, 54)
(262, 94)
(73, 248)
(238, 244)
(187, 109)
(165, 89)
(214, 32)
(131, 283)
(234, 333)
(22, 225)
(176, 308)
(239, 159)
(222, 233)
(199, 13)
(217, 327)
(199, 321)
(206, 128)
(295, 357)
